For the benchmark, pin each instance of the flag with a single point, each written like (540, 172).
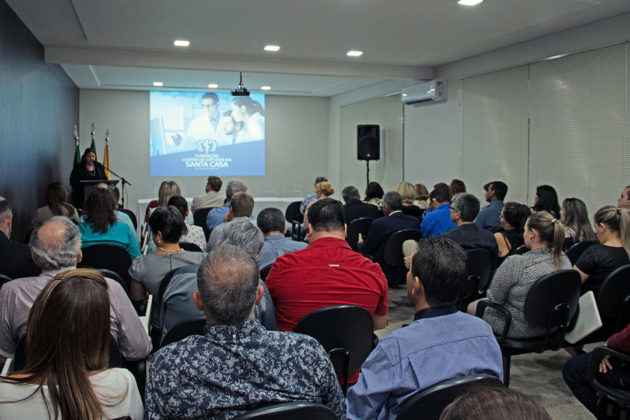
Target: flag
(77, 154)
(93, 145)
(106, 158)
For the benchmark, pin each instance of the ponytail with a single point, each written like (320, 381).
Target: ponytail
(551, 231)
(617, 220)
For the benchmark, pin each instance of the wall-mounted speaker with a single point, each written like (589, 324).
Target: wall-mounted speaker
(368, 142)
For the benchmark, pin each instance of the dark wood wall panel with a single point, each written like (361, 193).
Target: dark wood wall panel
(39, 104)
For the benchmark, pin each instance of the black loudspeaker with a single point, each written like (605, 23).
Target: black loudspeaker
(368, 142)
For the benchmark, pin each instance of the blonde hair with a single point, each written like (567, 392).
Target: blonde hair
(406, 191)
(617, 220)
(167, 190)
(551, 231)
(324, 188)
(422, 193)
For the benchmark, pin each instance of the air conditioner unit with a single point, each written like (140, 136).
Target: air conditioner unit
(427, 92)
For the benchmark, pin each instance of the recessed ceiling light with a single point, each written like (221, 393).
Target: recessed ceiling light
(354, 53)
(181, 43)
(158, 84)
(265, 87)
(272, 48)
(469, 2)
(213, 86)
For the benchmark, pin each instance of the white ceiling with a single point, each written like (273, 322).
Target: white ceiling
(128, 44)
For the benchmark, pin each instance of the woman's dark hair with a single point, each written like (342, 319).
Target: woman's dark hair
(576, 218)
(85, 153)
(547, 200)
(251, 106)
(551, 231)
(617, 220)
(421, 192)
(180, 204)
(99, 207)
(169, 222)
(56, 196)
(516, 215)
(67, 337)
(457, 186)
(373, 190)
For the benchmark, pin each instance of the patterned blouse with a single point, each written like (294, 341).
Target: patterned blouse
(233, 369)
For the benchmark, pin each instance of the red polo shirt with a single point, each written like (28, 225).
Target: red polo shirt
(328, 272)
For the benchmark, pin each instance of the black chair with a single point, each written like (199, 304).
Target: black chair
(264, 272)
(577, 249)
(292, 213)
(114, 276)
(199, 219)
(4, 279)
(479, 272)
(189, 246)
(356, 227)
(290, 411)
(183, 330)
(619, 396)
(110, 257)
(551, 303)
(345, 332)
(520, 250)
(132, 216)
(394, 257)
(429, 403)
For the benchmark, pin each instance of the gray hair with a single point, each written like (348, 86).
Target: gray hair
(55, 250)
(320, 179)
(243, 235)
(393, 200)
(467, 205)
(349, 193)
(5, 209)
(234, 186)
(227, 280)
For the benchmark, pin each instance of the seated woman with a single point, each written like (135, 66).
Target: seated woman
(577, 227)
(374, 194)
(510, 235)
(67, 352)
(100, 225)
(147, 271)
(612, 226)
(408, 194)
(56, 205)
(192, 233)
(544, 236)
(457, 186)
(422, 196)
(546, 199)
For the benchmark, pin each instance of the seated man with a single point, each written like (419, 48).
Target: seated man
(438, 220)
(211, 198)
(215, 216)
(467, 234)
(273, 225)
(354, 208)
(488, 218)
(237, 365)
(56, 247)
(440, 344)
(15, 258)
(177, 307)
(241, 209)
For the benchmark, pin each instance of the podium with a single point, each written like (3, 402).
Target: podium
(89, 186)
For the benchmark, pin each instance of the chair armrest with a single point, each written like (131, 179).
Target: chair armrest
(146, 318)
(8, 367)
(481, 307)
(616, 393)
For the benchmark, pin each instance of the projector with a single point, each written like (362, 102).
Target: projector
(240, 91)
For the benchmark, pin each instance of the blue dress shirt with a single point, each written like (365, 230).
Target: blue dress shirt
(489, 218)
(437, 222)
(215, 216)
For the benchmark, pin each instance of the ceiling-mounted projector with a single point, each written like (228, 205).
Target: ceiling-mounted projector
(240, 89)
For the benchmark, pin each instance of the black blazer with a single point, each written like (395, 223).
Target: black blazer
(15, 259)
(356, 209)
(380, 231)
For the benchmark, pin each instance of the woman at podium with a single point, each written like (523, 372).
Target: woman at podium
(88, 170)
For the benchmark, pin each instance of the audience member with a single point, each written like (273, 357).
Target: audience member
(440, 344)
(354, 208)
(215, 216)
(67, 343)
(467, 234)
(438, 221)
(574, 217)
(544, 236)
(15, 258)
(457, 186)
(510, 235)
(546, 199)
(612, 226)
(237, 365)
(101, 227)
(374, 194)
(167, 190)
(56, 247)
(192, 234)
(120, 216)
(383, 228)
(323, 190)
(241, 209)
(624, 199)
(311, 197)
(273, 226)
(408, 194)
(488, 218)
(494, 403)
(422, 196)
(211, 198)
(176, 305)
(56, 205)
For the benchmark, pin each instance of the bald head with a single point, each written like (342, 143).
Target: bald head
(56, 244)
(6, 217)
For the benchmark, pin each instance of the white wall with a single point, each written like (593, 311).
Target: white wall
(296, 148)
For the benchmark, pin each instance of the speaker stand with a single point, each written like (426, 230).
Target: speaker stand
(367, 164)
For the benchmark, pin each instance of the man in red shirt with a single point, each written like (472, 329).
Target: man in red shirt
(326, 273)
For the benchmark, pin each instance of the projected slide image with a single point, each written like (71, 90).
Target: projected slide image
(197, 133)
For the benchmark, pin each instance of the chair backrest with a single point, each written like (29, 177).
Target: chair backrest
(183, 330)
(132, 216)
(479, 270)
(429, 403)
(553, 300)
(393, 247)
(110, 257)
(264, 272)
(189, 246)
(613, 298)
(199, 219)
(342, 327)
(520, 250)
(290, 411)
(292, 213)
(114, 276)
(4, 279)
(577, 249)
(356, 227)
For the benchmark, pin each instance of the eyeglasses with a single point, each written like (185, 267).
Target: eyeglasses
(452, 208)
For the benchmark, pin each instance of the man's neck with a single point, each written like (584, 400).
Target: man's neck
(493, 199)
(461, 222)
(338, 234)
(421, 305)
(274, 232)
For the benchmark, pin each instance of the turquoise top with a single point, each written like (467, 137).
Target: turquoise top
(117, 234)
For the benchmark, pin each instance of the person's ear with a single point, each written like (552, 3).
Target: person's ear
(79, 257)
(259, 294)
(196, 297)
